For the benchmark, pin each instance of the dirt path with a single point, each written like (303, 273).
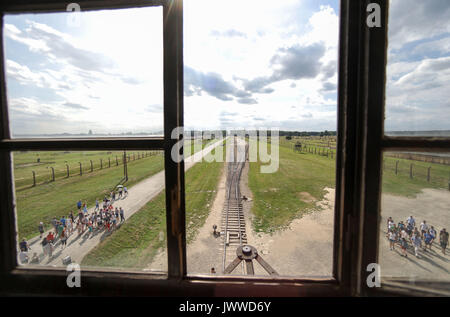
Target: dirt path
(304, 249)
(139, 195)
(203, 253)
(431, 205)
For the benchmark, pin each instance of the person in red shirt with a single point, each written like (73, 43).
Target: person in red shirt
(50, 237)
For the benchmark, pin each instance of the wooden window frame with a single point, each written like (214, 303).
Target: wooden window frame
(361, 142)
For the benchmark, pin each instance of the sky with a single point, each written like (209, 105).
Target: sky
(248, 64)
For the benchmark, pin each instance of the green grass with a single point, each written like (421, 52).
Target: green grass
(137, 241)
(26, 162)
(43, 202)
(402, 185)
(278, 199)
(277, 196)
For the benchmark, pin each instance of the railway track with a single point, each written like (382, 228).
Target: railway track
(233, 223)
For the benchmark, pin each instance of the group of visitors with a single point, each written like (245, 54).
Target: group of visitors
(421, 237)
(106, 218)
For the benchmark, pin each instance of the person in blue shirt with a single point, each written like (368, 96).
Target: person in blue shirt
(63, 221)
(428, 238)
(79, 204)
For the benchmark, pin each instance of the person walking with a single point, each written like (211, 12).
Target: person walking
(443, 239)
(55, 223)
(423, 228)
(404, 246)
(97, 205)
(122, 215)
(433, 234)
(411, 221)
(69, 226)
(63, 238)
(417, 242)
(24, 245)
(392, 238)
(41, 229)
(428, 239)
(125, 191)
(85, 211)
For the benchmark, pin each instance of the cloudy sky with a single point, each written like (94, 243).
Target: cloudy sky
(418, 94)
(248, 64)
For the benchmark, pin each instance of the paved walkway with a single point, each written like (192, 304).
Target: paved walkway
(138, 195)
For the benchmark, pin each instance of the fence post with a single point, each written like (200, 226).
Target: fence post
(125, 167)
(117, 162)
(81, 169)
(34, 178)
(411, 170)
(67, 165)
(53, 174)
(396, 167)
(101, 164)
(92, 166)
(109, 162)
(429, 174)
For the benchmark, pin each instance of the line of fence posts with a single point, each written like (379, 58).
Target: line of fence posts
(126, 159)
(411, 171)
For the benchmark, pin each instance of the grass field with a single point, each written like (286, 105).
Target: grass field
(282, 196)
(143, 234)
(27, 162)
(43, 202)
(302, 177)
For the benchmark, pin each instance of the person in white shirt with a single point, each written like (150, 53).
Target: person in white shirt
(392, 239)
(23, 257)
(417, 241)
(411, 221)
(423, 228)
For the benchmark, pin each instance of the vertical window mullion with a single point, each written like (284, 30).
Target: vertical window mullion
(370, 211)
(7, 220)
(173, 118)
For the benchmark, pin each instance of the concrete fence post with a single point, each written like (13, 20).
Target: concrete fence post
(34, 178)
(411, 170)
(92, 166)
(396, 167)
(101, 164)
(429, 174)
(53, 174)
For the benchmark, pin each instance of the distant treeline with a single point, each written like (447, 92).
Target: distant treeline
(252, 132)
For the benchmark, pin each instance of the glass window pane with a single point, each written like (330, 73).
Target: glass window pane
(416, 200)
(271, 68)
(86, 74)
(418, 71)
(76, 197)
